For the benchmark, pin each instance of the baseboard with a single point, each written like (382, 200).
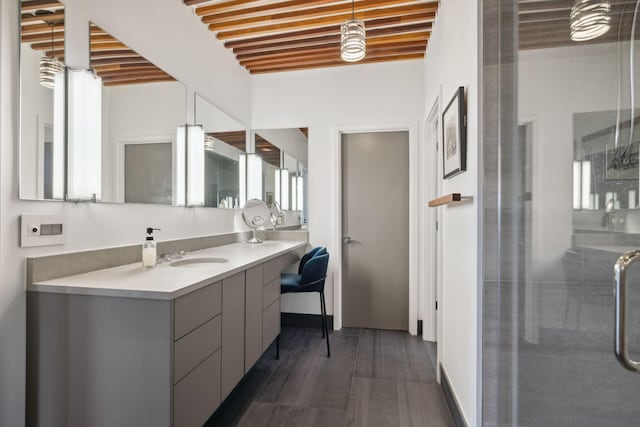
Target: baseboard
(297, 320)
(452, 402)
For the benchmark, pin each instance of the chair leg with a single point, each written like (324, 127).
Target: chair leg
(324, 322)
(322, 312)
(278, 347)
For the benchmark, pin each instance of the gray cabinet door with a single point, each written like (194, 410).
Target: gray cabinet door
(233, 292)
(253, 317)
(197, 395)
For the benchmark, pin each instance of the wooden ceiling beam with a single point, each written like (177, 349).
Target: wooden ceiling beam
(39, 37)
(125, 53)
(328, 20)
(329, 47)
(109, 61)
(30, 5)
(260, 9)
(120, 77)
(134, 82)
(130, 76)
(98, 47)
(381, 39)
(218, 7)
(122, 67)
(318, 12)
(333, 55)
(55, 16)
(261, 70)
(57, 45)
(98, 38)
(40, 28)
(142, 69)
(389, 25)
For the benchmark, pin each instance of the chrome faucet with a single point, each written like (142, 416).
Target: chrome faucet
(172, 256)
(606, 218)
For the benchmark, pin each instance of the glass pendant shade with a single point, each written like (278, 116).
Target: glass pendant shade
(353, 41)
(49, 68)
(589, 19)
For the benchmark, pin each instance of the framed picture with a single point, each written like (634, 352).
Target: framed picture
(454, 136)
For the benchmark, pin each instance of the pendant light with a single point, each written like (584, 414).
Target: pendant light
(589, 19)
(353, 40)
(50, 66)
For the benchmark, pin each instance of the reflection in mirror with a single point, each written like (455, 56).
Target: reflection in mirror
(142, 109)
(225, 140)
(284, 154)
(42, 100)
(605, 172)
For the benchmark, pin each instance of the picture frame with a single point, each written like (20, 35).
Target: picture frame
(454, 136)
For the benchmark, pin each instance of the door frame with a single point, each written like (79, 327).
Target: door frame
(432, 322)
(414, 200)
(118, 161)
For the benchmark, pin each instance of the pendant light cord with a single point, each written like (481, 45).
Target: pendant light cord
(353, 9)
(52, 55)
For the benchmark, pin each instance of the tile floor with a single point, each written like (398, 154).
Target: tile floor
(373, 378)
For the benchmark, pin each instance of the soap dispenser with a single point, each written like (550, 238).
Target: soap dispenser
(149, 251)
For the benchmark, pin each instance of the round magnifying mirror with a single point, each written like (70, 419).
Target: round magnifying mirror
(256, 214)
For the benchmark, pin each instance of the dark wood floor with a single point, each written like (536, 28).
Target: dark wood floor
(374, 378)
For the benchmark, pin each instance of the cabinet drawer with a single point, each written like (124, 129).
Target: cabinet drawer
(274, 267)
(196, 346)
(271, 293)
(270, 324)
(197, 396)
(195, 308)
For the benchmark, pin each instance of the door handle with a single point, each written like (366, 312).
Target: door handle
(620, 301)
(348, 240)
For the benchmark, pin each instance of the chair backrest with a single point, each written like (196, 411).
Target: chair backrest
(315, 271)
(306, 257)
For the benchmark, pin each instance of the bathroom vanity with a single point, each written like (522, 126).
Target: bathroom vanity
(163, 346)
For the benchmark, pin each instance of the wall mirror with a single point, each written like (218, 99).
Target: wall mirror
(142, 107)
(606, 171)
(42, 114)
(284, 171)
(225, 141)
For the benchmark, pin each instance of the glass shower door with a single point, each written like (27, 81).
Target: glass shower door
(561, 205)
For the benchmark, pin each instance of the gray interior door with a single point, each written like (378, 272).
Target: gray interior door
(148, 173)
(375, 224)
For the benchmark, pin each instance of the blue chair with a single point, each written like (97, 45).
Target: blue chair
(312, 273)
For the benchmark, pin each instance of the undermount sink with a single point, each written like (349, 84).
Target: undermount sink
(190, 261)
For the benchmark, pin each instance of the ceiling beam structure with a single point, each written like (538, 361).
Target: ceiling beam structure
(282, 35)
(112, 60)
(118, 65)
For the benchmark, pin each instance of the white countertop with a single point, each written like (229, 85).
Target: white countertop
(166, 282)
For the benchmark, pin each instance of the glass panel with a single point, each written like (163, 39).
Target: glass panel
(560, 206)
(141, 105)
(42, 100)
(225, 140)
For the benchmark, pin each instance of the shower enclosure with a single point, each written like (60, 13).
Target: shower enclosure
(561, 204)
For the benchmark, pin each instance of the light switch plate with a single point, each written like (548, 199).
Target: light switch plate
(42, 230)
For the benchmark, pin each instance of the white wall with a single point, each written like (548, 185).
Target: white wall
(166, 33)
(326, 100)
(452, 61)
(37, 110)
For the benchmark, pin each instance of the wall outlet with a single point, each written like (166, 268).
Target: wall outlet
(42, 230)
(33, 229)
